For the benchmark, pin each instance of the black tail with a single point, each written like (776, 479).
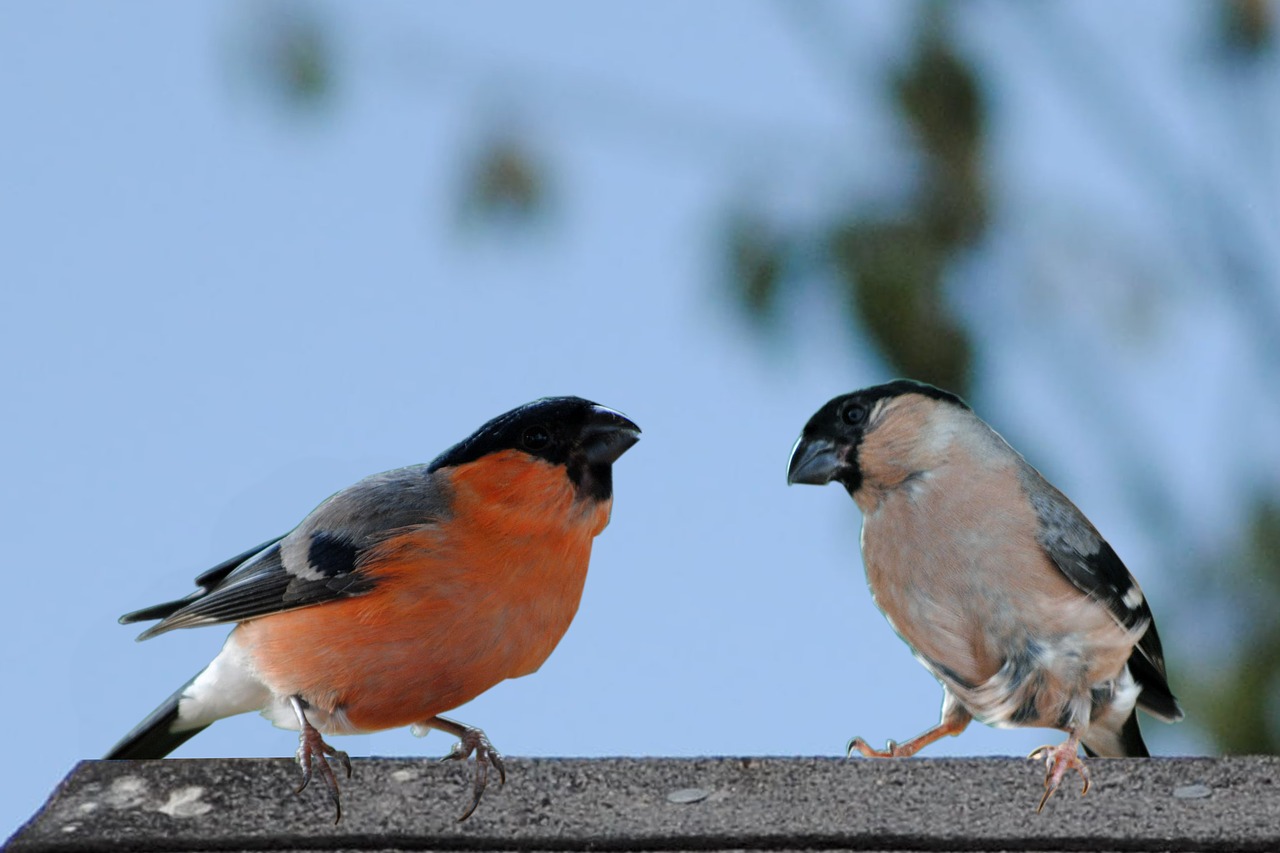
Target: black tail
(154, 737)
(1156, 697)
(1126, 743)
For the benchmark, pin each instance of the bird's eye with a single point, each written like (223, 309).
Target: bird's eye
(854, 414)
(536, 437)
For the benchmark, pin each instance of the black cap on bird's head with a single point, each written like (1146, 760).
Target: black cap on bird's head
(585, 437)
(827, 449)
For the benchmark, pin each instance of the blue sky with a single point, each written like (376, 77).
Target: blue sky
(215, 312)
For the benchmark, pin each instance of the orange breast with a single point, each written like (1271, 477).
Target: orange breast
(459, 606)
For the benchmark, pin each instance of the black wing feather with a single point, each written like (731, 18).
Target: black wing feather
(1093, 566)
(1146, 665)
(206, 581)
(264, 585)
(1104, 577)
(320, 560)
(218, 573)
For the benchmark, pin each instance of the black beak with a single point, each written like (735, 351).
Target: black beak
(814, 461)
(607, 435)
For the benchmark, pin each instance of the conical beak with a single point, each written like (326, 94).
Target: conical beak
(607, 436)
(814, 461)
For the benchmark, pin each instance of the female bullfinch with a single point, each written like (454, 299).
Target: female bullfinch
(999, 584)
(406, 594)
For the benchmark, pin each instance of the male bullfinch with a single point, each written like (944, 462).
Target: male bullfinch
(999, 584)
(405, 595)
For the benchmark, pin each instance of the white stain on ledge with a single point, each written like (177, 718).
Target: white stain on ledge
(186, 802)
(127, 792)
(133, 792)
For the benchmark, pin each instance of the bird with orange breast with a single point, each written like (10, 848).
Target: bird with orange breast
(999, 584)
(405, 595)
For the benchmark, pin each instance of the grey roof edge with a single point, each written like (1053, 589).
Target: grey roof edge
(616, 804)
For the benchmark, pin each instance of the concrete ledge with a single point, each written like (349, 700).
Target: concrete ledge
(619, 804)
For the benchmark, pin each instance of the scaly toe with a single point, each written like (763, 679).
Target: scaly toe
(1059, 761)
(867, 750)
(496, 758)
(311, 746)
(344, 760)
(304, 762)
(474, 741)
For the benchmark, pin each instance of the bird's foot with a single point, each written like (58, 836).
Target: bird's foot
(892, 749)
(952, 723)
(473, 741)
(1058, 761)
(311, 746)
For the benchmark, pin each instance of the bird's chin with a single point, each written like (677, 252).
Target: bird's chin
(814, 462)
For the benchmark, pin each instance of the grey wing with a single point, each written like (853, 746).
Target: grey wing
(1090, 563)
(320, 560)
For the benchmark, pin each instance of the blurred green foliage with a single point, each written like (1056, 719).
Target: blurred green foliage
(891, 269)
(939, 97)
(289, 49)
(1237, 703)
(893, 276)
(505, 183)
(756, 258)
(894, 269)
(1248, 25)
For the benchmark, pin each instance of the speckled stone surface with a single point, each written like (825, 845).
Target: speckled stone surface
(656, 804)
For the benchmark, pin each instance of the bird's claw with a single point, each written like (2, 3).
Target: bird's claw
(312, 746)
(1058, 761)
(474, 741)
(891, 749)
